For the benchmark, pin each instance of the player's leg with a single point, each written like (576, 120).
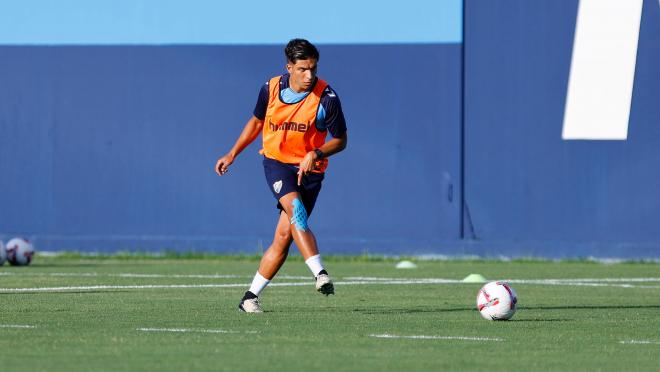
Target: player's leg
(271, 262)
(276, 254)
(299, 228)
(294, 207)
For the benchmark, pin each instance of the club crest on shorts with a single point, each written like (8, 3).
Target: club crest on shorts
(277, 186)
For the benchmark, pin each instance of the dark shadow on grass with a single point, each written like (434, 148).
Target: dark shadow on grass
(536, 320)
(417, 310)
(410, 310)
(589, 307)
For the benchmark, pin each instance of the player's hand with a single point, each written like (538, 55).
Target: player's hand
(222, 166)
(306, 165)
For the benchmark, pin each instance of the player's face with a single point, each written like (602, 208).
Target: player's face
(302, 74)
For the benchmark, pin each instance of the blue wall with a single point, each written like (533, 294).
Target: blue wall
(453, 148)
(114, 147)
(524, 185)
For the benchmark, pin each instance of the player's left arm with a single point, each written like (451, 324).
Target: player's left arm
(333, 146)
(336, 125)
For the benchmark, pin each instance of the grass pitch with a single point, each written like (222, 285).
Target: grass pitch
(181, 314)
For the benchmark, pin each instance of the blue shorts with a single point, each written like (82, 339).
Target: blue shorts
(283, 178)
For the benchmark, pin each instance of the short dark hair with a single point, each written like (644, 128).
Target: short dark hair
(300, 49)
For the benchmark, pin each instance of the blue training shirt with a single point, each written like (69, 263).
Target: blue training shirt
(329, 116)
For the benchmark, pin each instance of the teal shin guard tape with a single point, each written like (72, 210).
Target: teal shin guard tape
(299, 217)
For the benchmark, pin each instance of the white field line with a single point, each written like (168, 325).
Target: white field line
(384, 281)
(575, 283)
(113, 287)
(175, 286)
(589, 280)
(138, 275)
(609, 280)
(22, 326)
(190, 330)
(640, 342)
(348, 278)
(523, 281)
(425, 337)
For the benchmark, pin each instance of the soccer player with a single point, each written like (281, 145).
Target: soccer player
(294, 113)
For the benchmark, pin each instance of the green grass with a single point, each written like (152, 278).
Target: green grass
(557, 327)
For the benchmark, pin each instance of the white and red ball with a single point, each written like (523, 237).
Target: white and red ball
(3, 253)
(19, 252)
(497, 301)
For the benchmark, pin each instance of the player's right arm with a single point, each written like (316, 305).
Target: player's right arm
(250, 132)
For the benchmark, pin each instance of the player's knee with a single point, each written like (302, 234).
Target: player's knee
(283, 238)
(299, 215)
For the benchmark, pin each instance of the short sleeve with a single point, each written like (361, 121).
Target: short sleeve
(334, 121)
(262, 103)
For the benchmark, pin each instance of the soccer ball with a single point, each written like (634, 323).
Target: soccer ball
(19, 252)
(3, 253)
(497, 301)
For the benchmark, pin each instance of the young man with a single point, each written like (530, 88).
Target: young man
(294, 113)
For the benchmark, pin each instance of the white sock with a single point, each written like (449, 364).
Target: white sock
(315, 264)
(258, 284)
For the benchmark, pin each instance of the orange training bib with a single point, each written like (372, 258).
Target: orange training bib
(289, 130)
